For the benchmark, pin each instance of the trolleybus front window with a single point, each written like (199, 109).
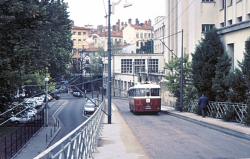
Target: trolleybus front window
(155, 92)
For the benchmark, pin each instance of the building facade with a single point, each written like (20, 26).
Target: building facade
(230, 17)
(128, 69)
(137, 34)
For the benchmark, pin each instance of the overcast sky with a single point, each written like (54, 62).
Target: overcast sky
(92, 12)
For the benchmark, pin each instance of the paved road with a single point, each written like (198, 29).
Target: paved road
(70, 116)
(167, 137)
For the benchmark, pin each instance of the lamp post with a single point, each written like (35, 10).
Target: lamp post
(110, 53)
(109, 63)
(46, 101)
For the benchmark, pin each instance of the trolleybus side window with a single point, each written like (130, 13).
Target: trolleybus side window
(155, 92)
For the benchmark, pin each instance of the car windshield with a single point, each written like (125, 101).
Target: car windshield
(89, 104)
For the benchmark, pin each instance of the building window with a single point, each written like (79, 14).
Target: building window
(229, 3)
(230, 22)
(84, 33)
(149, 35)
(79, 40)
(79, 33)
(137, 43)
(137, 35)
(126, 65)
(239, 19)
(145, 35)
(248, 16)
(205, 1)
(141, 36)
(74, 33)
(153, 66)
(222, 25)
(139, 65)
(207, 27)
(230, 50)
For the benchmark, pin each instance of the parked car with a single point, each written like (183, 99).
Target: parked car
(30, 103)
(31, 112)
(39, 100)
(20, 119)
(89, 108)
(77, 94)
(55, 95)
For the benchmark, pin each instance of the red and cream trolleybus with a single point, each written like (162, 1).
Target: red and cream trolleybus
(144, 98)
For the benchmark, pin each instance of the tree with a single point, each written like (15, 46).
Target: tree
(220, 83)
(173, 79)
(204, 62)
(246, 74)
(238, 88)
(34, 35)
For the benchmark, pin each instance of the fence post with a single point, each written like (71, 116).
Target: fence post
(16, 141)
(11, 144)
(5, 148)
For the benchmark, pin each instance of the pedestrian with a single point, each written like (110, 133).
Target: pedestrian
(203, 102)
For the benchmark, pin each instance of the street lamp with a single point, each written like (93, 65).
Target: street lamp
(46, 101)
(109, 56)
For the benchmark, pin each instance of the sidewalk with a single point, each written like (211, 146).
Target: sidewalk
(38, 142)
(232, 128)
(117, 140)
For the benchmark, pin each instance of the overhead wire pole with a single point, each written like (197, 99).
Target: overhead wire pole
(181, 64)
(109, 63)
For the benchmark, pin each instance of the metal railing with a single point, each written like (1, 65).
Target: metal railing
(79, 143)
(17, 135)
(221, 109)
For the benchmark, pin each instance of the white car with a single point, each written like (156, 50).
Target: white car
(89, 108)
(39, 100)
(30, 103)
(20, 119)
(31, 112)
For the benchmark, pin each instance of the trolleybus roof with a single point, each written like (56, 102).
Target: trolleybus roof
(145, 85)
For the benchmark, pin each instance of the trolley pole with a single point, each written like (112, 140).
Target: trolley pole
(109, 64)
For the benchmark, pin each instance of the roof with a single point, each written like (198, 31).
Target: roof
(142, 27)
(114, 34)
(145, 85)
(80, 28)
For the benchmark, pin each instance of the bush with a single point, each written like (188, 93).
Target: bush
(229, 115)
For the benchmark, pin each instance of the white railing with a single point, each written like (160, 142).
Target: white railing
(221, 109)
(79, 143)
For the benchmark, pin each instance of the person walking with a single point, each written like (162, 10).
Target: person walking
(203, 102)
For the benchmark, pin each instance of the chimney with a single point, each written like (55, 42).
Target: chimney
(129, 21)
(137, 21)
(149, 22)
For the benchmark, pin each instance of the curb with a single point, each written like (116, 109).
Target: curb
(212, 126)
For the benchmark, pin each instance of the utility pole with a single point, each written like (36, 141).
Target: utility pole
(182, 75)
(109, 63)
(46, 102)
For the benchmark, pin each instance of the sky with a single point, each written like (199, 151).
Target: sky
(92, 12)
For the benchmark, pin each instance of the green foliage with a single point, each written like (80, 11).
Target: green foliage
(246, 73)
(34, 35)
(204, 63)
(238, 88)
(229, 115)
(173, 79)
(220, 83)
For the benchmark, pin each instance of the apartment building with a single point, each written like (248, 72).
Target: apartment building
(195, 17)
(137, 34)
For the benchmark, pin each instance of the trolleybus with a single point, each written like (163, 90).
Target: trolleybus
(144, 98)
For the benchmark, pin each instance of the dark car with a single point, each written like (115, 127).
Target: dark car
(55, 95)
